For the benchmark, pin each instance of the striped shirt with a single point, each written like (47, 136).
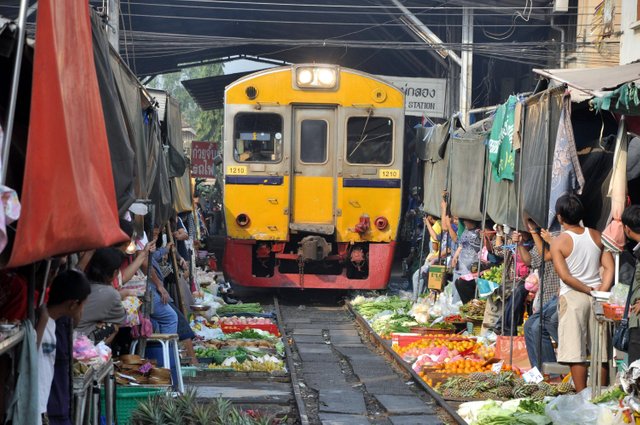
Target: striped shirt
(551, 278)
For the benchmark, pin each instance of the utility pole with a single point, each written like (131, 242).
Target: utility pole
(113, 23)
(465, 60)
(466, 68)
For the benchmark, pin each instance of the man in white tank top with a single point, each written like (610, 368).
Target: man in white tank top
(577, 256)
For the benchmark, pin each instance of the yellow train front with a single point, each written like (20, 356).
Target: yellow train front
(313, 178)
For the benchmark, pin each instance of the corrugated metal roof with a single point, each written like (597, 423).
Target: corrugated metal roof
(209, 92)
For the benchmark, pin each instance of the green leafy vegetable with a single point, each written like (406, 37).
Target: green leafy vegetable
(532, 406)
(615, 394)
(240, 308)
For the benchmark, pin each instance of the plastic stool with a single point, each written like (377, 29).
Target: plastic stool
(166, 341)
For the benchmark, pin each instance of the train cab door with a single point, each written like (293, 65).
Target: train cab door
(313, 170)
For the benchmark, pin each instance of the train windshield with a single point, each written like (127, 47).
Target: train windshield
(369, 140)
(258, 137)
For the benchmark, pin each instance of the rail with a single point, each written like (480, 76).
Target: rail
(405, 366)
(295, 382)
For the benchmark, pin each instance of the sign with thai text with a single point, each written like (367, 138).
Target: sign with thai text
(422, 96)
(202, 155)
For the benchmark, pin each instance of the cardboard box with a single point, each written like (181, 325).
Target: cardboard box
(437, 277)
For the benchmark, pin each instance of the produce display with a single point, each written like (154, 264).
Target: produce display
(473, 310)
(494, 274)
(235, 320)
(503, 386)
(237, 324)
(269, 365)
(370, 308)
(251, 308)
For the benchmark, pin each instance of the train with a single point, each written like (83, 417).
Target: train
(313, 158)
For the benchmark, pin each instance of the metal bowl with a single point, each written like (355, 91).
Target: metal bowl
(6, 327)
(200, 307)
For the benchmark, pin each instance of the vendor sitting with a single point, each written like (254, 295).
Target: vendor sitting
(103, 313)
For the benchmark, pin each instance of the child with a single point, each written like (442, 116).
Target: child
(67, 294)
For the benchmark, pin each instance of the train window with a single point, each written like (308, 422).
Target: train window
(258, 137)
(313, 141)
(369, 140)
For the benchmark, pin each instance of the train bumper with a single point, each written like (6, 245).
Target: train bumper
(237, 269)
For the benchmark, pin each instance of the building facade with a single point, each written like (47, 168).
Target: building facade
(630, 28)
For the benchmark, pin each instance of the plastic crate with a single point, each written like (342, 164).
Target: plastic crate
(127, 400)
(229, 329)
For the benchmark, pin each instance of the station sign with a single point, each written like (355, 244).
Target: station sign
(423, 96)
(202, 156)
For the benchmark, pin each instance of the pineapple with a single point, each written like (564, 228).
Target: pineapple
(478, 376)
(549, 390)
(538, 395)
(504, 391)
(171, 412)
(148, 412)
(565, 388)
(202, 414)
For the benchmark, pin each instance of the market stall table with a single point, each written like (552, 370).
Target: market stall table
(603, 330)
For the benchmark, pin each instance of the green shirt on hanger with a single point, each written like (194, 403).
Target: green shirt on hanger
(501, 153)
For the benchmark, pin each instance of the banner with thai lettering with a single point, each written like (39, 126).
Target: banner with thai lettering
(202, 155)
(423, 96)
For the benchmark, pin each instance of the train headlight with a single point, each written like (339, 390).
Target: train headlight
(327, 77)
(316, 77)
(305, 76)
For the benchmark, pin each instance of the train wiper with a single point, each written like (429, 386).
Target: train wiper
(363, 136)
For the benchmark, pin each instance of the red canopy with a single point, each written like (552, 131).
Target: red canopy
(68, 196)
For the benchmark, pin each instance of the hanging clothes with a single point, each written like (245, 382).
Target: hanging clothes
(22, 409)
(566, 173)
(501, 152)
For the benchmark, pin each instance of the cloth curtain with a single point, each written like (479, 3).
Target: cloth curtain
(177, 163)
(145, 148)
(542, 113)
(467, 170)
(122, 155)
(566, 174)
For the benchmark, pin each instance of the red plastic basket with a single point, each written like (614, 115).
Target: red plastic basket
(229, 329)
(613, 312)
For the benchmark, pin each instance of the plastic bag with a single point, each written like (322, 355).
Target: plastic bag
(532, 281)
(574, 409)
(619, 294)
(520, 355)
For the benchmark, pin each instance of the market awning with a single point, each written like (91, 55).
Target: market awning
(68, 196)
(208, 92)
(594, 81)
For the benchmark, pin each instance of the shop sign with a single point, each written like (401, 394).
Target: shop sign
(422, 96)
(202, 155)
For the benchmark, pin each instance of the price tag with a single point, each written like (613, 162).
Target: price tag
(497, 367)
(533, 376)
(387, 173)
(237, 170)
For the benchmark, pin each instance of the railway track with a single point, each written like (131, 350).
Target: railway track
(339, 371)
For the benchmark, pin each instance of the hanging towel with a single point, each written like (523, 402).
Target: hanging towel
(618, 184)
(566, 174)
(22, 409)
(501, 152)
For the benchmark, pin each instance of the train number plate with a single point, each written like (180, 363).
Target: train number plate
(236, 170)
(388, 174)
